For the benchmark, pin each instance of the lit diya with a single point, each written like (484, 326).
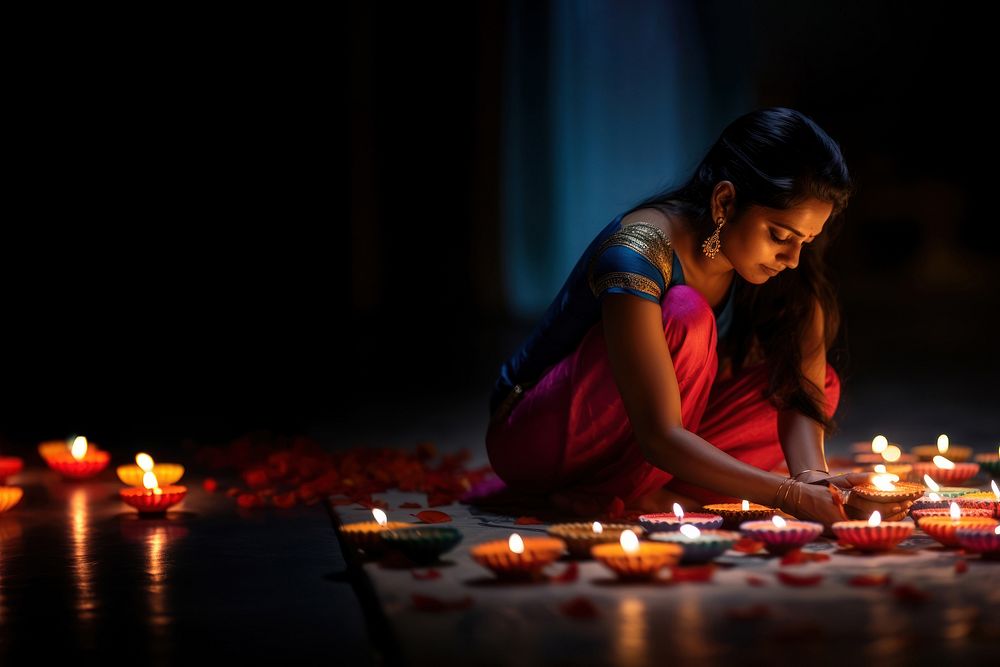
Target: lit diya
(943, 528)
(581, 536)
(79, 461)
(665, 521)
(517, 557)
(734, 514)
(367, 535)
(900, 470)
(152, 498)
(166, 473)
(422, 544)
(944, 447)
(10, 496)
(700, 546)
(982, 539)
(781, 536)
(946, 471)
(989, 462)
(887, 488)
(631, 559)
(10, 466)
(873, 534)
(989, 500)
(946, 511)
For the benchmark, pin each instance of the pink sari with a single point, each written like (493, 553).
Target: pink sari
(569, 434)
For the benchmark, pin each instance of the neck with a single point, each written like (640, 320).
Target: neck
(698, 266)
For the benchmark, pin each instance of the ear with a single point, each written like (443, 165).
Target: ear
(723, 199)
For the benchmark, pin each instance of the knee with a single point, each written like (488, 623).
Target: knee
(686, 311)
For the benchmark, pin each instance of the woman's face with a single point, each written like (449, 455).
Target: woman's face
(766, 241)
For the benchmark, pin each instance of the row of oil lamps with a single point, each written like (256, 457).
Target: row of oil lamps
(152, 487)
(947, 463)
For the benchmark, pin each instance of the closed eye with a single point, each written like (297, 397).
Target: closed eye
(780, 240)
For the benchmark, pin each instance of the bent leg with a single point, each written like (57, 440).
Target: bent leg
(742, 423)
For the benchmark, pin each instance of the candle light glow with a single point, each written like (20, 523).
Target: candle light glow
(943, 463)
(746, 503)
(515, 543)
(942, 443)
(598, 528)
(879, 443)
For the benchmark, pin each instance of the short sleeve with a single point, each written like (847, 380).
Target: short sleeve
(637, 259)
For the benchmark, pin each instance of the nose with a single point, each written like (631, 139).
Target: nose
(790, 257)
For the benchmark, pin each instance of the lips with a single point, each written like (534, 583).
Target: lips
(770, 271)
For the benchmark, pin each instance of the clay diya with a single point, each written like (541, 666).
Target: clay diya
(989, 462)
(367, 535)
(10, 496)
(988, 500)
(873, 534)
(166, 473)
(581, 536)
(944, 528)
(517, 557)
(152, 498)
(631, 559)
(735, 514)
(667, 521)
(957, 453)
(10, 466)
(80, 461)
(945, 471)
(780, 536)
(422, 544)
(983, 539)
(700, 546)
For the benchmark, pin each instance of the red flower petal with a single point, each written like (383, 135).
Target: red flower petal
(408, 506)
(875, 579)
(528, 520)
(751, 613)
(426, 576)
(693, 573)
(747, 546)
(798, 556)
(579, 607)
(210, 485)
(248, 500)
(432, 516)
(431, 603)
(799, 580)
(570, 574)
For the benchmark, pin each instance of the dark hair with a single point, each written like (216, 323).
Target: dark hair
(777, 158)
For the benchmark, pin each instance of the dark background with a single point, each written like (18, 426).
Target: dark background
(184, 255)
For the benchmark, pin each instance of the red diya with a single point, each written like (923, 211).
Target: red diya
(734, 514)
(944, 511)
(9, 496)
(981, 500)
(10, 466)
(632, 560)
(517, 557)
(780, 536)
(944, 471)
(152, 499)
(943, 528)
(873, 534)
(674, 520)
(983, 539)
(79, 461)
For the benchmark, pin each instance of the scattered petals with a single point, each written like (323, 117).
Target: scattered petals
(426, 576)
(874, 579)
(432, 516)
(528, 521)
(693, 573)
(799, 580)
(747, 546)
(248, 500)
(431, 603)
(569, 575)
(579, 607)
(798, 556)
(751, 613)
(285, 500)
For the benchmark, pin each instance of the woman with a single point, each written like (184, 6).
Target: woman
(685, 356)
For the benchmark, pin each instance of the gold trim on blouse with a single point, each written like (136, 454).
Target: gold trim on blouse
(647, 240)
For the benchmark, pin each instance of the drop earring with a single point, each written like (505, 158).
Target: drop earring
(712, 244)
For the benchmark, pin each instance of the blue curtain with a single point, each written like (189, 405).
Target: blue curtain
(605, 103)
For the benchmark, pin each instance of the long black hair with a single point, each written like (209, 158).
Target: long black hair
(777, 158)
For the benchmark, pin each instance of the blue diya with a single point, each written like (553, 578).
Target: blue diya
(423, 544)
(705, 546)
(669, 522)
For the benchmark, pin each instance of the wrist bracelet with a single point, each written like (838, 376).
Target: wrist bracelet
(798, 474)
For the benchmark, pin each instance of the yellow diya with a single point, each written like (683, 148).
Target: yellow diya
(581, 536)
(10, 496)
(166, 473)
(631, 559)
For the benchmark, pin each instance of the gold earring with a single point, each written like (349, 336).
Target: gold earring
(712, 244)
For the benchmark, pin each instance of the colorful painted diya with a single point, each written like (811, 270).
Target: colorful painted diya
(517, 557)
(367, 535)
(943, 528)
(983, 539)
(982, 500)
(873, 534)
(632, 560)
(944, 511)
(422, 544)
(780, 536)
(945, 471)
(735, 514)
(10, 496)
(700, 546)
(10, 466)
(883, 490)
(667, 521)
(581, 536)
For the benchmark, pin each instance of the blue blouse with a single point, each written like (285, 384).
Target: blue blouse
(635, 259)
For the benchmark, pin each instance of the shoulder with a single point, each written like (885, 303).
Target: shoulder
(650, 217)
(638, 254)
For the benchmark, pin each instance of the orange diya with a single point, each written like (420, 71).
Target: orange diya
(367, 535)
(631, 559)
(517, 557)
(9, 496)
(166, 473)
(581, 536)
(78, 461)
(152, 499)
(943, 528)
(958, 453)
(734, 514)
(873, 534)
(946, 471)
